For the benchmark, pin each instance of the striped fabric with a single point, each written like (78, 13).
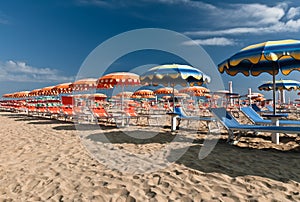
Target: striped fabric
(174, 74)
(118, 78)
(281, 85)
(270, 57)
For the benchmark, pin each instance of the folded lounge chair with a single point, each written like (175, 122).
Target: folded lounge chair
(255, 118)
(232, 125)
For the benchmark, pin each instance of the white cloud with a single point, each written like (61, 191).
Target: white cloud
(293, 13)
(226, 19)
(216, 41)
(240, 19)
(21, 72)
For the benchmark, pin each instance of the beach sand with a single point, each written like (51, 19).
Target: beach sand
(44, 160)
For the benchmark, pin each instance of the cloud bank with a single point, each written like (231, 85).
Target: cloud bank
(21, 72)
(216, 41)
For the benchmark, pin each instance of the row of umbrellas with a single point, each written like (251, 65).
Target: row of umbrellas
(168, 75)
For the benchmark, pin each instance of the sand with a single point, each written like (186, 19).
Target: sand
(45, 160)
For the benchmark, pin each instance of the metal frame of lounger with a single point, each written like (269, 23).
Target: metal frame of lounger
(182, 115)
(255, 118)
(132, 113)
(232, 125)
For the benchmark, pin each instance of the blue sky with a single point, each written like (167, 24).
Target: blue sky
(45, 42)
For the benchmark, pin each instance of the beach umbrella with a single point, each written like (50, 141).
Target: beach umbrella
(97, 96)
(8, 95)
(165, 91)
(144, 93)
(21, 94)
(254, 95)
(119, 79)
(174, 74)
(125, 94)
(195, 90)
(63, 88)
(270, 57)
(34, 92)
(288, 85)
(47, 91)
(84, 84)
(281, 86)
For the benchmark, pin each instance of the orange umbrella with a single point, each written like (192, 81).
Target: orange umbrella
(47, 91)
(84, 84)
(23, 94)
(260, 99)
(125, 94)
(203, 95)
(255, 95)
(143, 94)
(165, 90)
(181, 95)
(35, 92)
(63, 88)
(8, 95)
(119, 78)
(20, 94)
(98, 96)
(195, 90)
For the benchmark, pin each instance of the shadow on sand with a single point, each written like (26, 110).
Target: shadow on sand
(237, 161)
(137, 137)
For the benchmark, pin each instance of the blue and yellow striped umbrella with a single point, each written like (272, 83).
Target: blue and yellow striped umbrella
(270, 57)
(281, 85)
(174, 74)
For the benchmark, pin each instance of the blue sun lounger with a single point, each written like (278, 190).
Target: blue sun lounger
(255, 118)
(182, 115)
(232, 125)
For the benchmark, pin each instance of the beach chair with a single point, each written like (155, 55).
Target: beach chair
(67, 112)
(181, 115)
(232, 125)
(259, 110)
(255, 118)
(54, 111)
(131, 113)
(101, 114)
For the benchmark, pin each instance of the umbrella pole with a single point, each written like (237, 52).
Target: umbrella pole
(174, 116)
(122, 101)
(173, 97)
(274, 93)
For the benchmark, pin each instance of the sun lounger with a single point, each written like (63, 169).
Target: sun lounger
(131, 113)
(232, 125)
(255, 118)
(67, 112)
(182, 115)
(54, 111)
(101, 114)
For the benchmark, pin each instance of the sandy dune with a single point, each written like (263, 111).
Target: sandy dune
(44, 160)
